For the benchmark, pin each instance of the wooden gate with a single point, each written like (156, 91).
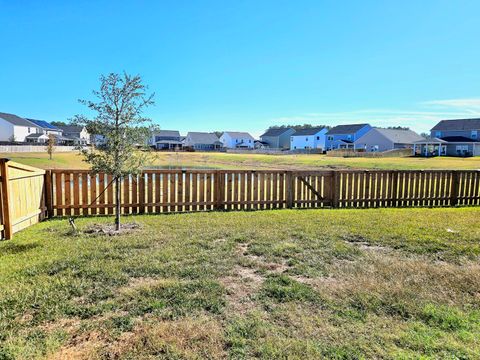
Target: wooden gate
(22, 197)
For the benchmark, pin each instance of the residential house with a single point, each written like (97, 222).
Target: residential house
(166, 140)
(14, 128)
(257, 144)
(452, 138)
(377, 139)
(47, 129)
(202, 141)
(344, 136)
(277, 138)
(78, 134)
(311, 138)
(236, 140)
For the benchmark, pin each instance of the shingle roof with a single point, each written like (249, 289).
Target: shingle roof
(16, 120)
(43, 124)
(276, 132)
(346, 129)
(459, 124)
(399, 136)
(71, 128)
(35, 136)
(309, 131)
(202, 138)
(458, 139)
(239, 134)
(167, 133)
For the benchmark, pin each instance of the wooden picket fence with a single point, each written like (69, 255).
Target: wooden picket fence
(79, 192)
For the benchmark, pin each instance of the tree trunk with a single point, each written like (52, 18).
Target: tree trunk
(117, 203)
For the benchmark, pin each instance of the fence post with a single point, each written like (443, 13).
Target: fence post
(289, 189)
(48, 193)
(336, 189)
(217, 190)
(454, 189)
(7, 223)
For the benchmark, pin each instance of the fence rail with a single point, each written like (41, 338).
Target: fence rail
(79, 192)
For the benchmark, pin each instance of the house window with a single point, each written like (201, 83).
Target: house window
(349, 137)
(29, 130)
(291, 138)
(438, 134)
(330, 138)
(474, 134)
(318, 137)
(306, 139)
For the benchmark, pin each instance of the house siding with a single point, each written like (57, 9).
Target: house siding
(308, 141)
(336, 140)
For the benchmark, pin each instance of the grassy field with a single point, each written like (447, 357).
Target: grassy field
(256, 161)
(340, 284)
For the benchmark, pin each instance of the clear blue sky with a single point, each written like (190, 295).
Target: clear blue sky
(248, 64)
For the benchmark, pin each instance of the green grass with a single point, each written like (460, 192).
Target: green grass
(339, 284)
(258, 161)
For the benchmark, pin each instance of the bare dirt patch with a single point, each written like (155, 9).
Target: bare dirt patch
(107, 229)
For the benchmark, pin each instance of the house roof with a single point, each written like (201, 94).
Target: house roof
(430, 141)
(459, 139)
(399, 136)
(345, 129)
(36, 136)
(459, 125)
(71, 128)
(202, 138)
(239, 134)
(16, 120)
(43, 124)
(309, 131)
(276, 132)
(167, 133)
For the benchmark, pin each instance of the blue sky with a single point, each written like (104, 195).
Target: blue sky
(248, 64)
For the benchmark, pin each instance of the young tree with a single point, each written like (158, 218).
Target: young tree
(50, 147)
(118, 119)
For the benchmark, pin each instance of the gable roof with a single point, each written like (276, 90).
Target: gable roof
(43, 124)
(16, 120)
(239, 134)
(167, 133)
(399, 136)
(459, 125)
(71, 128)
(276, 132)
(202, 138)
(309, 131)
(345, 129)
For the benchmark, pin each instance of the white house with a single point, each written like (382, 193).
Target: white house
(78, 134)
(235, 140)
(16, 128)
(312, 138)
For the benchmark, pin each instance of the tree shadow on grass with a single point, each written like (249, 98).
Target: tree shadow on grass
(13, 248)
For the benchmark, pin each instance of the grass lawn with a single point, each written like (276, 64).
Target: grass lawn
(258, 161)
(341, 284)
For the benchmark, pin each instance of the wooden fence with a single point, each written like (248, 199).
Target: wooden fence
(29, 194)
(22, 197)
(78, 192)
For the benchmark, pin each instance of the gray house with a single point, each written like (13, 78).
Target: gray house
(202, 141)
(377, 139)
(166, 140)
(277, 138)
(452, 138)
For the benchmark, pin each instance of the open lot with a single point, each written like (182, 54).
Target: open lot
(343, 284)
(256, 161)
